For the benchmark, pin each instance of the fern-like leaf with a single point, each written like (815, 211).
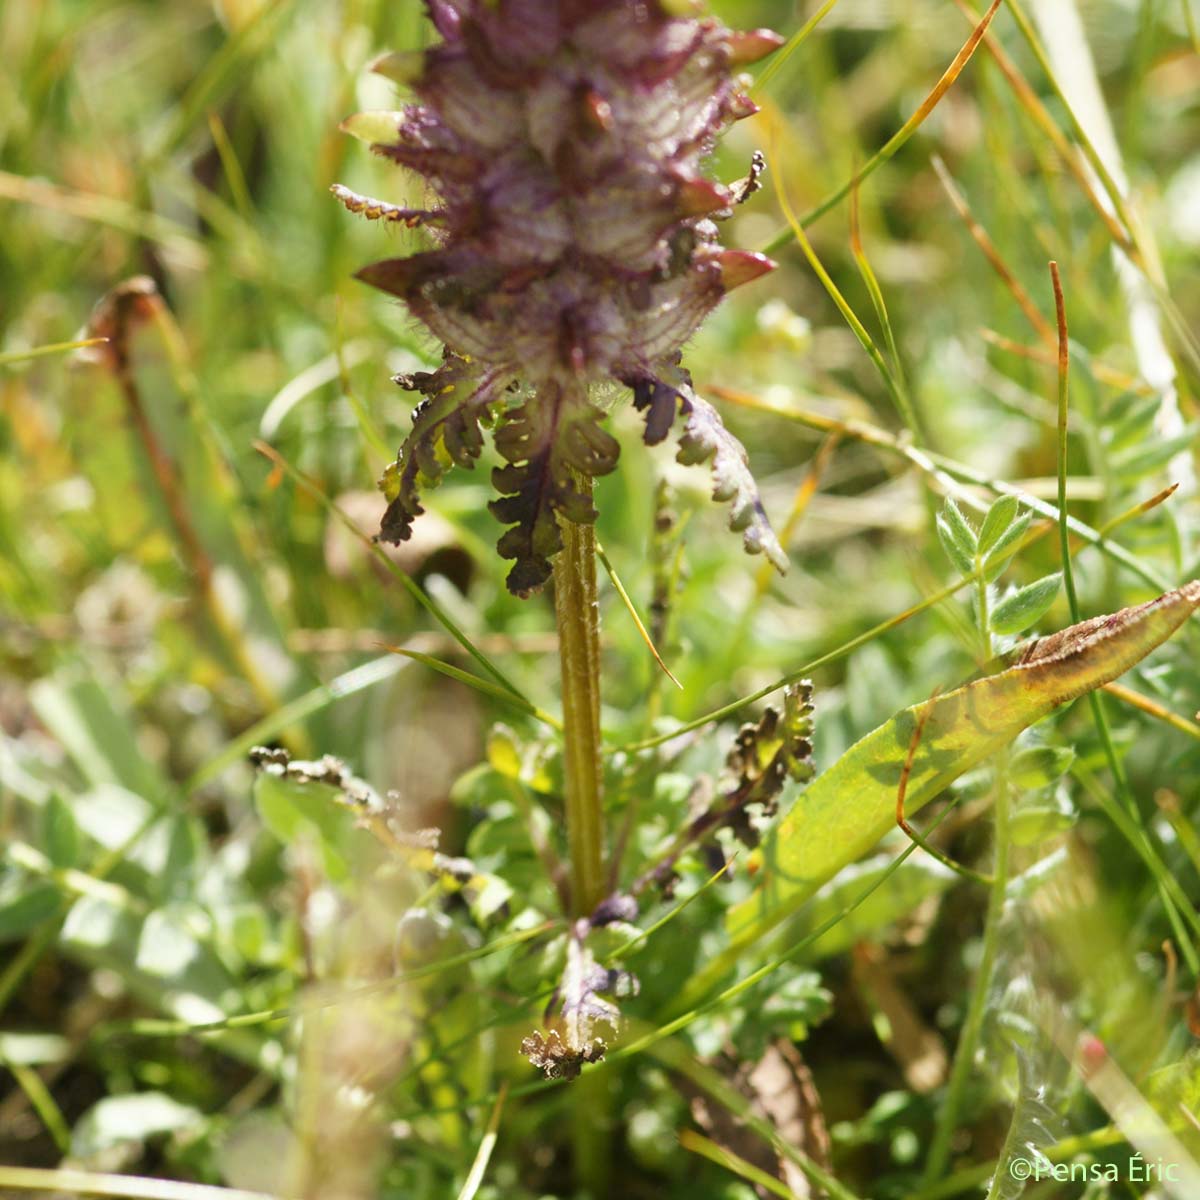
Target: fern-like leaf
(549, 441)
(446, 429)
(705, 439)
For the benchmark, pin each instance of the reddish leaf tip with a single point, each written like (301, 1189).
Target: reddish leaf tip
(749, 45)
(698, 196)
(742, 266)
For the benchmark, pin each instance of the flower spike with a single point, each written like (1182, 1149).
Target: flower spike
(572, 243)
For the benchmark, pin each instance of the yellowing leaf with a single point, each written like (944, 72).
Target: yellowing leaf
(846, 810)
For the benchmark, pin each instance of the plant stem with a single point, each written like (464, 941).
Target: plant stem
(577, 612)
(968, 1042)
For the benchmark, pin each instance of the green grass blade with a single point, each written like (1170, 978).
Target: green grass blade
(16, 356)
(486, 1146)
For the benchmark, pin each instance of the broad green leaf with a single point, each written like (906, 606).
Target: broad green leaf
(1022, 608)
(296, 812)
(999, 517)
(846, 810)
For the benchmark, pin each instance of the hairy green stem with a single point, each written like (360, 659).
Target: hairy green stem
(577, 611)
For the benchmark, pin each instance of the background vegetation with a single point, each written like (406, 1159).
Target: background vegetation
(172, 598)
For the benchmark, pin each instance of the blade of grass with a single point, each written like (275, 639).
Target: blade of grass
(234, 174)
(1024, 301)
(184, 246)
(1095, 160)
(1153, 709)
(1168, 895)
(690, 1140)
(357, 679)
(134, 1187)
(889, 148)
(486, 1146)
(1029, 100)
(42, 1103)
(904, 399)
(629, 607)
(843, 306)
(219, 72)
(480, 685)
(16, 356)
(1099, 371)
(418, 593)
(779, 59)
(1138, 510)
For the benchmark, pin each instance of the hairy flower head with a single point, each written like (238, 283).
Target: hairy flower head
(574, 243)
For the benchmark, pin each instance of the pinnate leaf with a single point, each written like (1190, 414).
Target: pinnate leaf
(705, 439)
(548, 441)
(446, 428)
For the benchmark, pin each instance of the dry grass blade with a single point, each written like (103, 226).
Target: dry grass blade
(1040, 325)
(1102, 372)
(1153, 709)
(134, 1187)
(1028, 99)
(889, 148)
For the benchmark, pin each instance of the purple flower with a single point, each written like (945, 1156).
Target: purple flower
(574, 244)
